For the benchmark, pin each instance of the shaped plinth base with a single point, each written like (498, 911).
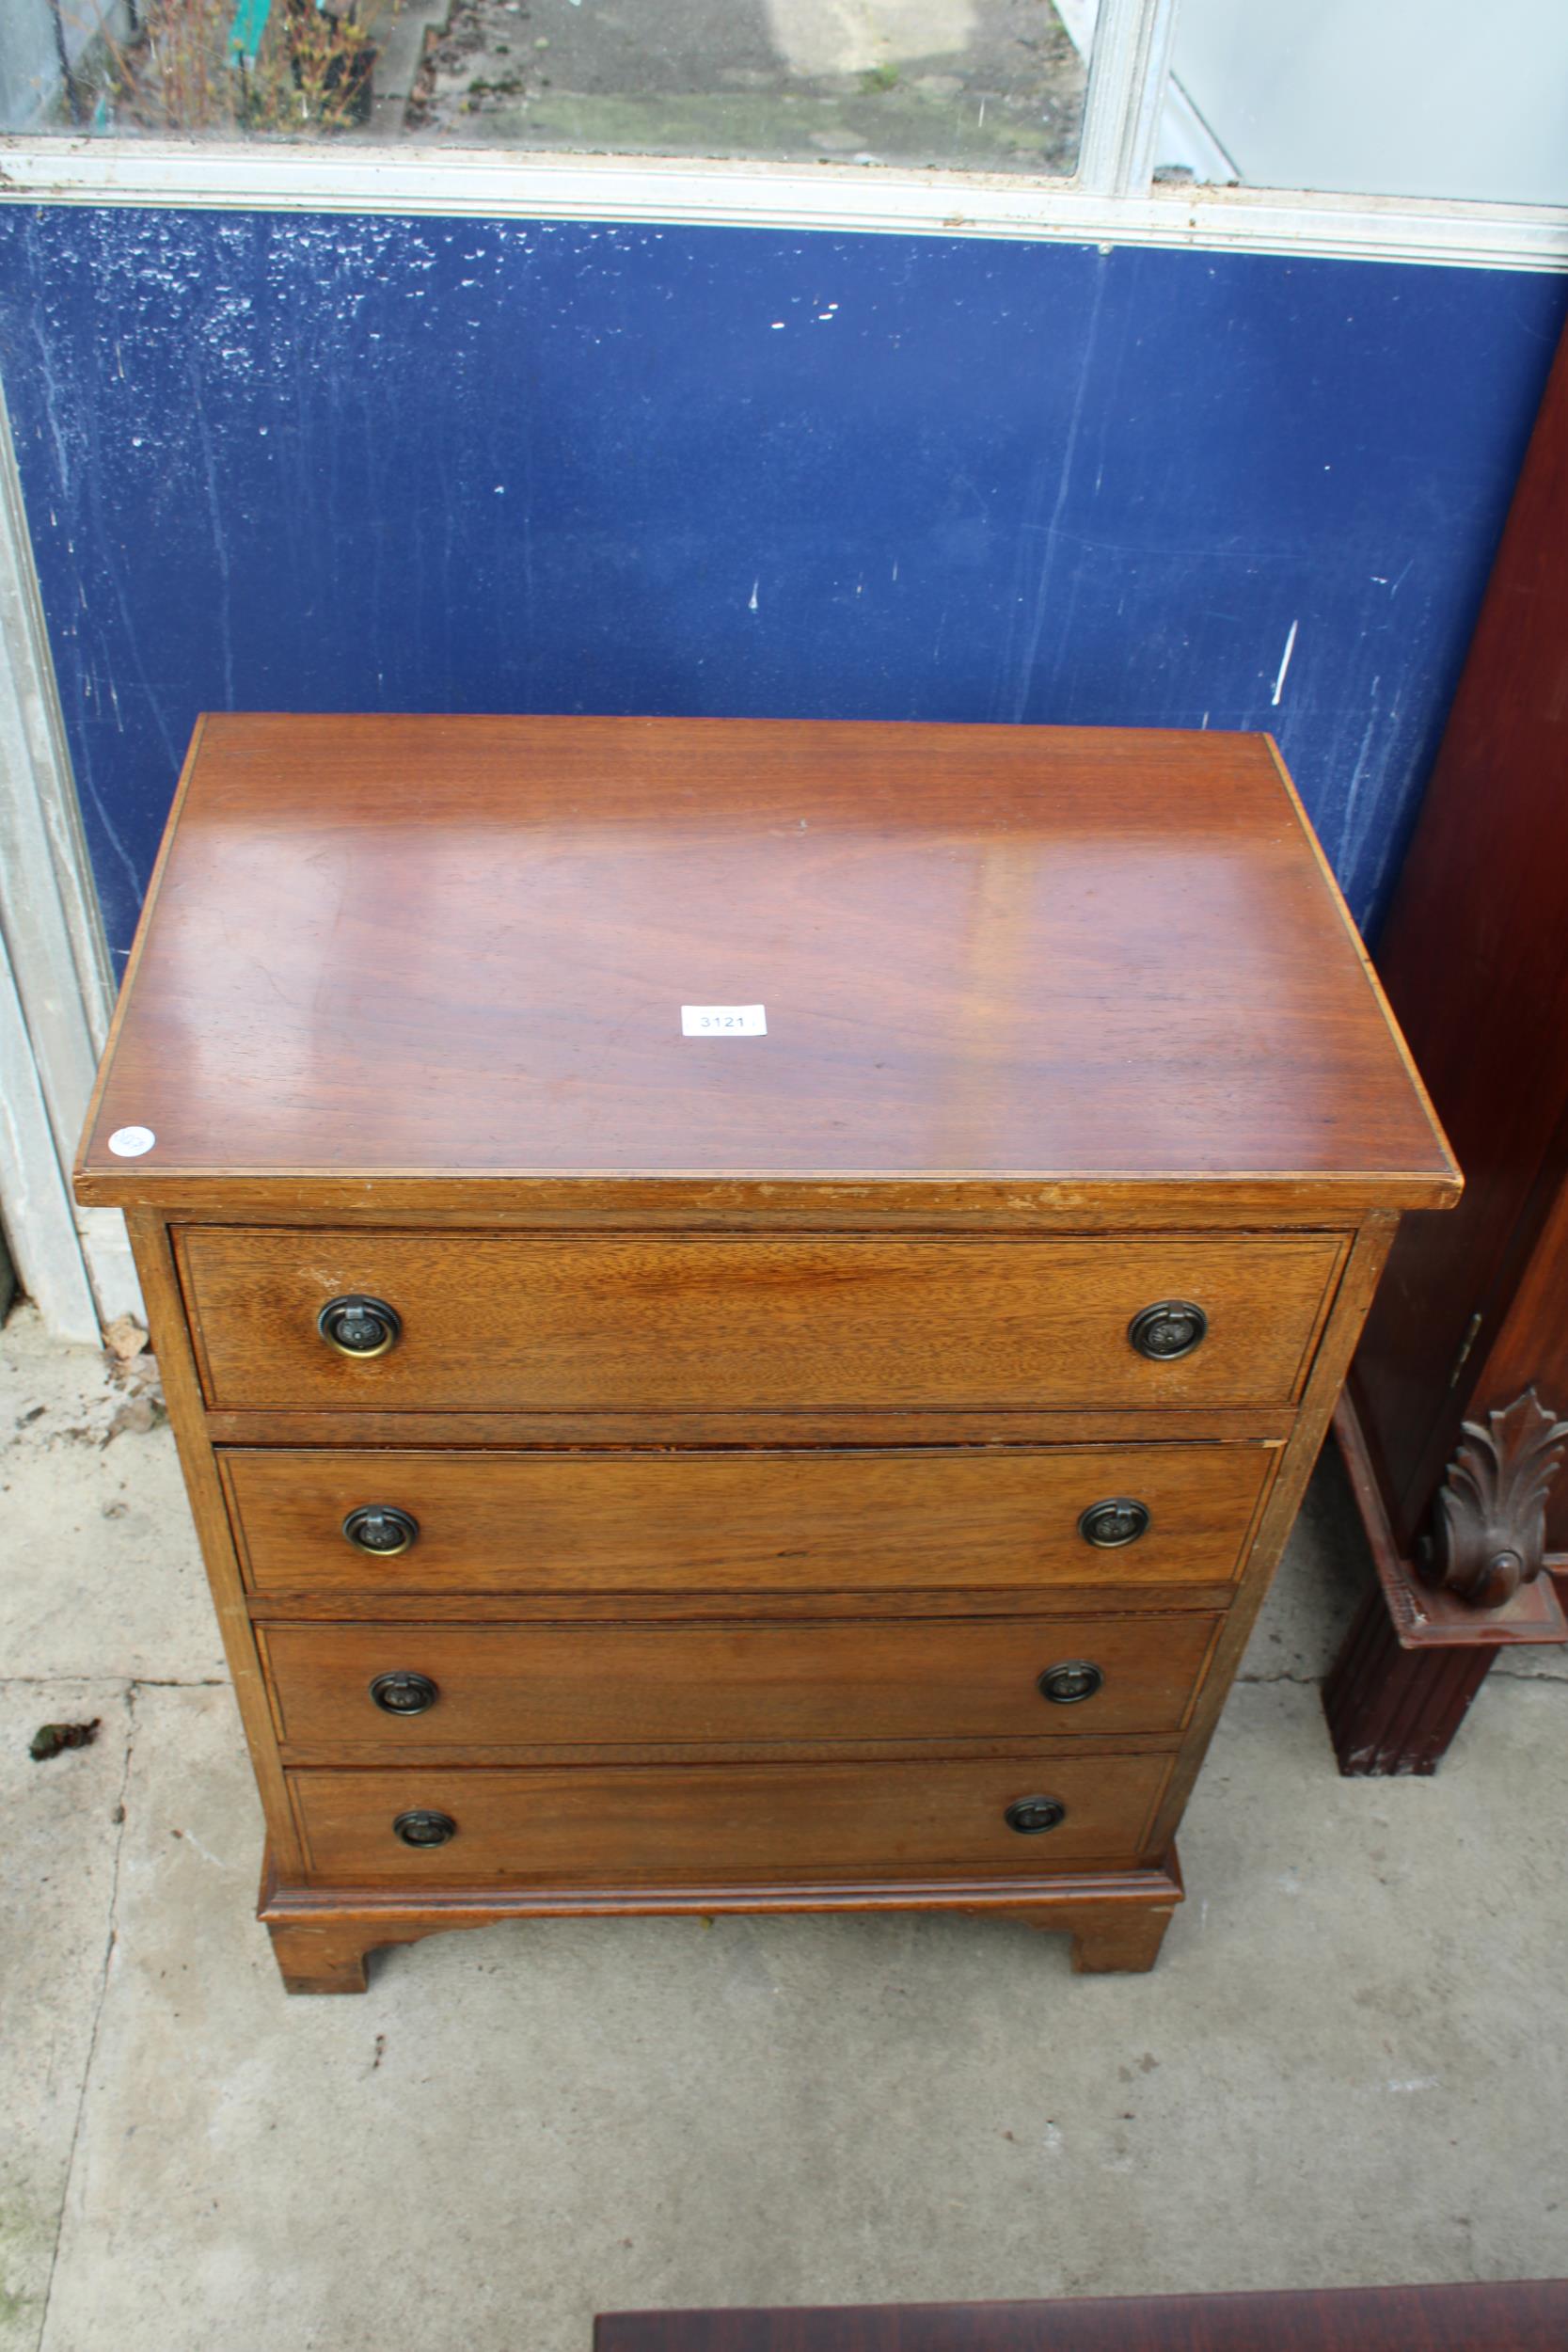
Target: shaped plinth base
(322, 1938)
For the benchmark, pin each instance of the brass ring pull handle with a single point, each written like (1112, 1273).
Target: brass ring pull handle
(1172, 1327)
(1116, 1521)
(1029, 1816)
(359, 1326)
(380, 1529)
(404, 1694)
(1071, 1682)
(424, 1829)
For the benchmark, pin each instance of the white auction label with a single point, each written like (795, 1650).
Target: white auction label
(129, 1143)
(723, 1020)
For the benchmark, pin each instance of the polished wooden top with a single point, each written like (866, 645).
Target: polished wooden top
(382, 947)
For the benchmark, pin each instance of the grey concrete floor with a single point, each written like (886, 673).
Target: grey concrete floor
(1350, 2065)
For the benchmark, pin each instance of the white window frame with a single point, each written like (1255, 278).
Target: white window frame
(54, 989)
(1109, 200)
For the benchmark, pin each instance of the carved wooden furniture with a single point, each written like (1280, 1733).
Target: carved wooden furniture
(1516, 2315)
(1451, 1423)
(747, 1307)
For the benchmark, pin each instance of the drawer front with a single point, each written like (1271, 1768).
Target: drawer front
(583, 1324)
(653, 1824)
(742, 1522)
(408, 1688)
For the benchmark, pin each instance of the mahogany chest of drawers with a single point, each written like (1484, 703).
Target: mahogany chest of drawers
(746, 1306)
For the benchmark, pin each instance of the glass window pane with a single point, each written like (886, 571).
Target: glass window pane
(1428, 98)
(993, 85)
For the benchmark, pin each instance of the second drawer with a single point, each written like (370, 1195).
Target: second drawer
(756, 1522)
(423, 1689)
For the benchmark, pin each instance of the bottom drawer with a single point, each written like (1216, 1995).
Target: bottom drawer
(661, 1824)
(498, 1686)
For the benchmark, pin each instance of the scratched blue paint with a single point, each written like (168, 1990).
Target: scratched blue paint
(343, 463)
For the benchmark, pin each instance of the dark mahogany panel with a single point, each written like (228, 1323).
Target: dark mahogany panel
(1473, 959)
(1528, 2316)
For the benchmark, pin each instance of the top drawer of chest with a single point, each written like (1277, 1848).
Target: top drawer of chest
(621, 1321)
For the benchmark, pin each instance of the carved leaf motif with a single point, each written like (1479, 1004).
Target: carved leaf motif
(1491, 1511)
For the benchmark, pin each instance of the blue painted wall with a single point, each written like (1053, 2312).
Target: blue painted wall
(341, 463)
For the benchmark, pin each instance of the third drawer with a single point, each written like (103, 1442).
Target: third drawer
(424, 1688)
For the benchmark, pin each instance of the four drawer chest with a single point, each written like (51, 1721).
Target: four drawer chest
(746, 1306)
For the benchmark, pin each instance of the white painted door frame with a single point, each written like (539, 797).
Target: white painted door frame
(55, 993)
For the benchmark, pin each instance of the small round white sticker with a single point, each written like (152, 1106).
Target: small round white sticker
(129, 1143)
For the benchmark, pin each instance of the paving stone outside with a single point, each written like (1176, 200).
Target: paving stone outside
(102, 1575)
(57, 1865)
(1338, 2074)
